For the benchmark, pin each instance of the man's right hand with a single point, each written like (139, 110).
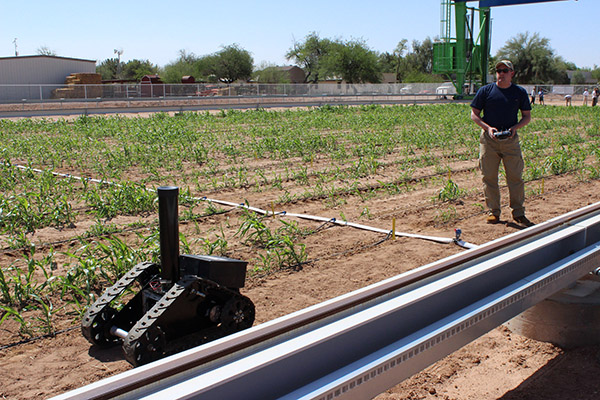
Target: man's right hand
(491, 132)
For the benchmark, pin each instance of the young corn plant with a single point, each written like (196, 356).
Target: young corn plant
(82, 280)
(112, 200)
(444, 216)
(18, 241)
(117, 256)
(100, 229)
(46, 311)
(563, 161)
(280, 249)
(12, 313)
(21, 292)
(449, 192)
(217, 247)
(254, 229)
(282, 253)
(19, 286)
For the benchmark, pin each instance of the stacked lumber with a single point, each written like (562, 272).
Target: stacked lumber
(84, 78)
(75, 90)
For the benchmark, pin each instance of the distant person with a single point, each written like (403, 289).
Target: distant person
(501, 102)
(533, 95)
(595, 95)
(541, 96)
(586, 94)
(568, 100)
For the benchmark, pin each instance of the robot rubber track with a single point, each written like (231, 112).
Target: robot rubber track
(157, 334)
(100, 316)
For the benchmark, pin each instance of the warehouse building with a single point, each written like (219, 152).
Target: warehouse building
(34, 77)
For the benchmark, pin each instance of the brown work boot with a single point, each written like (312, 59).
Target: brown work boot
(524, 221)
(492, 219)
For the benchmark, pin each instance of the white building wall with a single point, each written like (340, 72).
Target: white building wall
(37, 70)
(41, 69)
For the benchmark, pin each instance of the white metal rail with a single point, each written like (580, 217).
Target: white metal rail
(362, 350)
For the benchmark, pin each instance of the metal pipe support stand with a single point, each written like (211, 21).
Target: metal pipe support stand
(568, 319)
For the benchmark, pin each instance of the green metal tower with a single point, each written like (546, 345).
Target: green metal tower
(464, 56)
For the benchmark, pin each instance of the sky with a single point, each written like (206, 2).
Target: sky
(158, 30)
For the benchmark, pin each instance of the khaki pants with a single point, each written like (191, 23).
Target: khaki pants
(491, 152)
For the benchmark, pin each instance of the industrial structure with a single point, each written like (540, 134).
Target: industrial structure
(464, 56)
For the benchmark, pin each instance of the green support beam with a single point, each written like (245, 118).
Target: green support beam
(464, 58)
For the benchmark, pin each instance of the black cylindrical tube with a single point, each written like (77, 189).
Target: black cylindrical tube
(169, 232)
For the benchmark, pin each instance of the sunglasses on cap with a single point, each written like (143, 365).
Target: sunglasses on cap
(504, 70)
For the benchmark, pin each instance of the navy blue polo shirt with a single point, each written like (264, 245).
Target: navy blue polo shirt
(501, 106)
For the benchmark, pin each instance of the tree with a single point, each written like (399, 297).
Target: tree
(136, 69)
(309, 55)
(578, 78)
(233, 63)
(112, 68)
(393, 62)
(354, 62)
(184, 65)
(188, 64)
(533, 59)
(596, 73)
(109, 68)
(227, 65)
(398, 54)
(387, 62)
(414, 66)
(45, 51)
(420, 59)
(269, 73)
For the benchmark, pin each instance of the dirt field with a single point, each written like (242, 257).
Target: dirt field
(499, 365)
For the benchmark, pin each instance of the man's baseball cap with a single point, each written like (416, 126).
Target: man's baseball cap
(507, 63)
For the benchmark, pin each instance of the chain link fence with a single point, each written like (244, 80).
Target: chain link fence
(11, 94)
(105, 92)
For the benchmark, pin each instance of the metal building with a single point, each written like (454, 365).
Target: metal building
(43, 73)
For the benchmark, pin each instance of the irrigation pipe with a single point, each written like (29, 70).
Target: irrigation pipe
(34, 339)
(335, 221)
(22, 167)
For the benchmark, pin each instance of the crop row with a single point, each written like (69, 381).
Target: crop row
(312, 154)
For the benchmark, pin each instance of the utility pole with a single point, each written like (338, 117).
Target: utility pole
(16, 52)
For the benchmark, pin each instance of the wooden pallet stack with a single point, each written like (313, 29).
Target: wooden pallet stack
(75, 88)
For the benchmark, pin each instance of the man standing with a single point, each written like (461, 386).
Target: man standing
(499, 141)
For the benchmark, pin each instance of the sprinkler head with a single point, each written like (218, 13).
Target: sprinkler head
(457, 233)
